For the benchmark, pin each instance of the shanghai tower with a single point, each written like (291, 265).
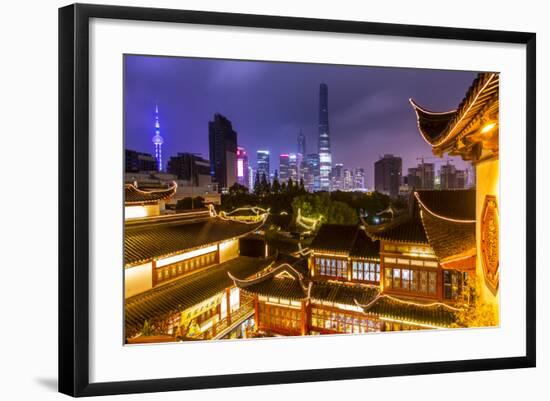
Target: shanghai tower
(325, 157)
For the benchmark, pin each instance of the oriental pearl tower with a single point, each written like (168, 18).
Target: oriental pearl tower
(157, 140)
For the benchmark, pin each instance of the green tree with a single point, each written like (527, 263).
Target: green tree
(320, 206)
(290, 186)
(276, 187)
(302, 187)
(257, 184)
(264, 186)
(237, 189)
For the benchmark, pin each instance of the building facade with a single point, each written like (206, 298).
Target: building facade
(190, 167)
(387, 175)
(176, 276)
(262, 164)
(471, 132)
(222, 141)
(136, 162)
(421, 176)
(242, 167)
(313, 174)
(283, 167)
(325, 156)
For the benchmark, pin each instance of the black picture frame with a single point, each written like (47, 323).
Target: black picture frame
(74, 201)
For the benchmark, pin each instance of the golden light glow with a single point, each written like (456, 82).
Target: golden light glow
(488, 127)
(430, 326)
(450, 133)
(186, 255)
(401, 301)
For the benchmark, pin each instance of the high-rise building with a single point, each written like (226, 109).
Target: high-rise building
(223, 151)
(387, 175)
(313, 174)
(294, 164)
(135, 162)
(347, 180)
(359, 183)
(262, 163)
(190, 167)
(461, 179)
(421, 176)
(301, 143)
(447, 176)
(242, 166)
(158, 140)
(337, 177)
(325, 157)
(283, 167)
(251, 174)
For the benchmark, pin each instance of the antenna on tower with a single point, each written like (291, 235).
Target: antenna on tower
(157, 139)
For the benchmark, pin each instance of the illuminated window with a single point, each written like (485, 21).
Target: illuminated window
(423, 281)
(414, 280)
(388, 277)
(432, 279)
(396, 278)
(405, 279)
(454, 284)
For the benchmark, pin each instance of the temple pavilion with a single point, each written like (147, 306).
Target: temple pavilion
(471, 131)
(176, 272)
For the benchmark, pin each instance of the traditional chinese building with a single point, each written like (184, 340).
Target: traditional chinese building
(471, 131)
(429, 253)
(176, 275)
(339, 290)
(145, 203)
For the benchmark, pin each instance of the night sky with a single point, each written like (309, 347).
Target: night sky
(268, 103)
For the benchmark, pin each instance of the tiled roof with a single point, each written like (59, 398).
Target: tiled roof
(448, 238)
(348, 239)
(335, 238)
(365, 247)
(457, 204)
(135, 196)
(432, 124)
(278, 287)
(330, 291)
(181, 294)
(409, 230)
(286, 282)
(146, 241)
(435, 315)
(439, 128)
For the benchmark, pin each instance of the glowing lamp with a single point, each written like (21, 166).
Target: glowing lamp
(488, 127)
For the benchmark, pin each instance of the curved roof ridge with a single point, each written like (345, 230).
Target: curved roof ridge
(404, 302)
(243, 283)
(437, 215)
(135, 196)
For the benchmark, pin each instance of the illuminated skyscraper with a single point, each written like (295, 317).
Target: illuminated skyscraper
(312, 176)
(325, 156)
(294, 167)
(359, 183)
(158, 140)
(283, 167)
(262, 163)
(242, 167)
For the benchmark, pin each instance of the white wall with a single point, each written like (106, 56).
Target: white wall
(138, 279)
(29, 100)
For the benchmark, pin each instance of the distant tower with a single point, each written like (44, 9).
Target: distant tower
(302, 144)
(325, 156)
(157, 140)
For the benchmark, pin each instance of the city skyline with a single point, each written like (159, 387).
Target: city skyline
(373, 112)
